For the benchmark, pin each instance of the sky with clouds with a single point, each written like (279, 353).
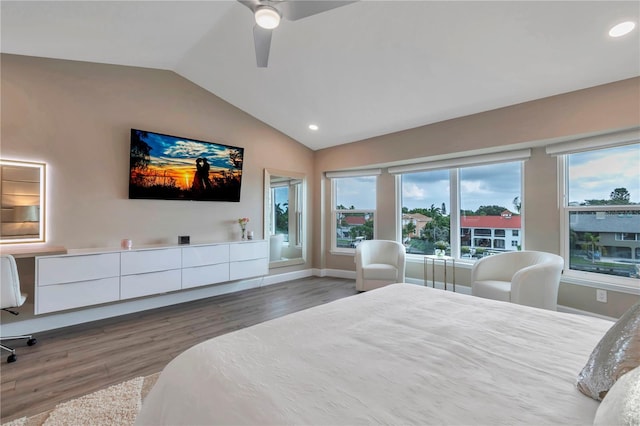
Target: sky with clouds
(175, 151)
(594, 175)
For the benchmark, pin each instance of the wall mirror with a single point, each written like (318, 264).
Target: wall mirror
(284, 217)
(22, 199)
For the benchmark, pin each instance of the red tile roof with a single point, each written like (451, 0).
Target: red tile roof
(498, 222)
(355, 220)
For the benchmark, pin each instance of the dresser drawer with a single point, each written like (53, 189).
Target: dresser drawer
(150, 283)
(248, 251)
(248, 268)
(143, 261)
(205, 255)
(65, 269)
(78, 294)
(205, 275)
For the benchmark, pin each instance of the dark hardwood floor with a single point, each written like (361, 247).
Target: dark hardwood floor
(71, 362)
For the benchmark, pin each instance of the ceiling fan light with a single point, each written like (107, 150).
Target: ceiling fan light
(267, 17)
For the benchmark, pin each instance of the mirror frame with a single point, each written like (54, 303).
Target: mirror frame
(268, 173)
(41, 201)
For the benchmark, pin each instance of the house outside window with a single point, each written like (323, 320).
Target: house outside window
(601, 215)
(486, 201)
(627, 236)
(354, 210)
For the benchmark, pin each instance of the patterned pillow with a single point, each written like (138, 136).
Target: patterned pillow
(617, 352)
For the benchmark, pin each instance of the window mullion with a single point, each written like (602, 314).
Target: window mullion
(454, 211)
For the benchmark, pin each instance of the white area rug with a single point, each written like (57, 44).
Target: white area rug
(116, 405)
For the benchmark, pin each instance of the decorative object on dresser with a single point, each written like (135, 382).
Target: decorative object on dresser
(243, 226)
(175, 168)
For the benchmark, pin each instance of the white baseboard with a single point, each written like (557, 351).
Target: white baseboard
(336, 273)
(287, 276)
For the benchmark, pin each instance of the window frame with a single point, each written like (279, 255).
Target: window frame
(455, 228)
(588, 279)
(334, 179)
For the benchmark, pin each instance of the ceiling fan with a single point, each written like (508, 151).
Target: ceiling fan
(268, 14)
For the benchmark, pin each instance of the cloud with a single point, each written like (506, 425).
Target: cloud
(412, 191)
(186, 149)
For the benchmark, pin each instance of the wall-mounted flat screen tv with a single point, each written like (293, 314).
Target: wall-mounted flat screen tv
(165, 167)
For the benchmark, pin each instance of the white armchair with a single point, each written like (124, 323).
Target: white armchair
(524, 277)
(378, 263)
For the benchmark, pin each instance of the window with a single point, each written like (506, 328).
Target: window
(602, 214)
(486, 200)
(280, 217)
(626, 236)
(425, 218)
(354, 209)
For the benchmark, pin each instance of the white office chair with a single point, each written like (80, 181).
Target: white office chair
(11, 297)
(524, 277)
(379, 263)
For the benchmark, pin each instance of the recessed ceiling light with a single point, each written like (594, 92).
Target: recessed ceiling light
(622, 29)
(313, 127)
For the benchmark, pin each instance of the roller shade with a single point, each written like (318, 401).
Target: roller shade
(353, 173)
(609, 140)
(476, 160)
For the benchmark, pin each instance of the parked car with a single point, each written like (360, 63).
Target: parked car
(357, 241)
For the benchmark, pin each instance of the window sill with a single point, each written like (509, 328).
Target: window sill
(604, 285)
(343, 252)
(419, 258)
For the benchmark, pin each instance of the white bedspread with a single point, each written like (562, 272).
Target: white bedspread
(403, 354)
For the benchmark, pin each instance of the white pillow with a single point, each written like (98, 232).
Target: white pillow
(621, 405)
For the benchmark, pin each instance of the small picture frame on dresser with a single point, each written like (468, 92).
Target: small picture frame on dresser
(183, 239)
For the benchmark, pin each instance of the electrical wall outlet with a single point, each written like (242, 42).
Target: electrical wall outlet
(601, 296)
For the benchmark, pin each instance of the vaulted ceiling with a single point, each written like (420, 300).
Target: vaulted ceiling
(357, 71)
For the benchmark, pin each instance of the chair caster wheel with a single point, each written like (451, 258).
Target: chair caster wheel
(32, 342)
(12, 358)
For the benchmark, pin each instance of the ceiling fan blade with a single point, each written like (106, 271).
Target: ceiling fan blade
(298, 9)
(262, 41)
(251, 4)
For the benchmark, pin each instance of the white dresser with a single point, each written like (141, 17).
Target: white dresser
(85, 278)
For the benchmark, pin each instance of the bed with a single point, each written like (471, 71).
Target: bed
(402, 354)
